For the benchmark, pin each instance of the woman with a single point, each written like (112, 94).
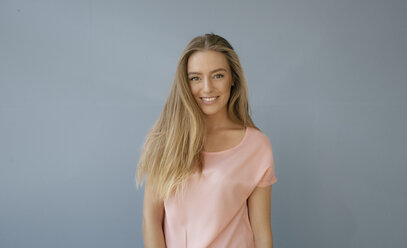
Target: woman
(208, 168)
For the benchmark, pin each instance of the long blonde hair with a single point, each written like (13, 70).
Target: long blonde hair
(172, 149)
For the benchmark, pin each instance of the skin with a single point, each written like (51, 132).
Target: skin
(209, 75)
(259, 204)
(153, 217)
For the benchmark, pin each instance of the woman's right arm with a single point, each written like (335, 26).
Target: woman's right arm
(153, 213)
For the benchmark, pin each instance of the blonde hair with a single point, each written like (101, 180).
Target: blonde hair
(172, 149)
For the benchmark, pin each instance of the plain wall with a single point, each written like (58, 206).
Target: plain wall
(81, 82)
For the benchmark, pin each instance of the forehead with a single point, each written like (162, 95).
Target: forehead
(206, 60)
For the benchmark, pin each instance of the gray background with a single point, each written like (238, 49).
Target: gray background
(81, 82)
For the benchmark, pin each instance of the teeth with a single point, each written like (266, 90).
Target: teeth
(209, 99)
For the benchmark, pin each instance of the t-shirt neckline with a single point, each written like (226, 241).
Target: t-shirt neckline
(232, 148)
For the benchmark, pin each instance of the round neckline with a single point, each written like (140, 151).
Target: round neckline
(232, 148)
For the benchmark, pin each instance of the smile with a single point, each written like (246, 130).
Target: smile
(209, 100)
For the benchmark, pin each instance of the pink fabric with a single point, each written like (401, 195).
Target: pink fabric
(213, 211)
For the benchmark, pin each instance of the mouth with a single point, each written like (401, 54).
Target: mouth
(209, 100)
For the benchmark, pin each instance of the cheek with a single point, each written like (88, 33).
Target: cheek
(226, 89)
(194, 90)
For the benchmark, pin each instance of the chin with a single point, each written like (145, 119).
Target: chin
(207, 111)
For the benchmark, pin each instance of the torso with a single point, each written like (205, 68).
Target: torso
(224, 139)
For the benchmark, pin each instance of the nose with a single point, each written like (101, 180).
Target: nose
(207, 85)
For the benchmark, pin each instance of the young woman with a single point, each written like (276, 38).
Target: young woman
(208, 168)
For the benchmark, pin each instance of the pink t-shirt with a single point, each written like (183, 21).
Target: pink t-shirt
(213, 211)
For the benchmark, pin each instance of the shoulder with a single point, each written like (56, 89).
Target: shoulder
(258, 137)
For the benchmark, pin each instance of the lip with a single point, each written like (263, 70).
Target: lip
(208, 103)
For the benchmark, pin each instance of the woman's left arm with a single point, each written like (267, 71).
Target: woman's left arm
(259, 204)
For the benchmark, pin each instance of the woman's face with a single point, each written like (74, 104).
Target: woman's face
(210, 80)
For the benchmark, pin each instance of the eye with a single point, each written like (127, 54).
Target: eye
(192, 78)
(219, 75)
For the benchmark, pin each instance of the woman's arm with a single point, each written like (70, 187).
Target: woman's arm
(259, 203)
(153, 212)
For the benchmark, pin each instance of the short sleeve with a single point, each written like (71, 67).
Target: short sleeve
(267, 170)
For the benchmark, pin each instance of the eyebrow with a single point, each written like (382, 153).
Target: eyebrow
(219, 69)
